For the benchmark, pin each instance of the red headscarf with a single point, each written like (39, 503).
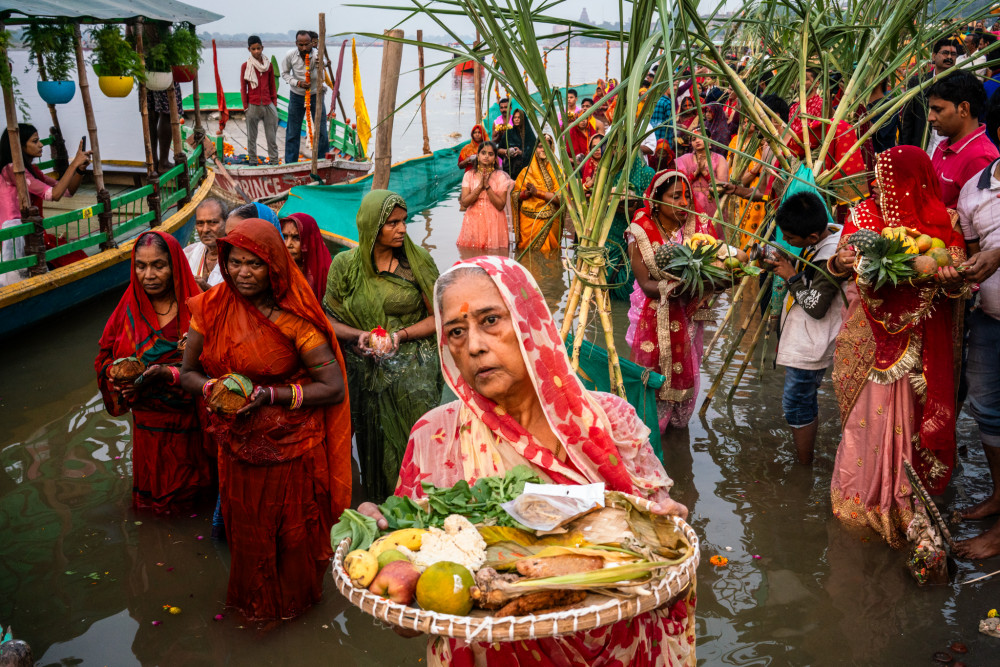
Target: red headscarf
(315, 255)
(133, 328)
(910, 196)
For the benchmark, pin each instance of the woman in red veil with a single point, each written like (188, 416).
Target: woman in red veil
(894, 366)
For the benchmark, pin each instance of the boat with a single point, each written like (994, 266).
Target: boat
(108, 226)
(464, 66)
(246, 182)
(421, 181)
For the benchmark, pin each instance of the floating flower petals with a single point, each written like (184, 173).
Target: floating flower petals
(156, 622)
(219, 617)
(992, 613)
(756, 556)
(201, 537)
(719, 561)
(174, 610)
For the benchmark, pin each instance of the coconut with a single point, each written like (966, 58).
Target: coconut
(380, 341)
(230, 393)
(126, 369)
(925, 265)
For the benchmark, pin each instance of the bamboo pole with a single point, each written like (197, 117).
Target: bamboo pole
(477, 78)
(147, 141)
(423, 93)
(392, 57)
(199, 129)
(184, 178)
(729, 313)
(152, 177)
(103, 197)
(320, 91)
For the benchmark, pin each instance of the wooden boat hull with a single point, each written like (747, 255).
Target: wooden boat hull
(273, 181)
(31, 300)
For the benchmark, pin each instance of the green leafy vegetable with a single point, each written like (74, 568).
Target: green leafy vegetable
(360, 528)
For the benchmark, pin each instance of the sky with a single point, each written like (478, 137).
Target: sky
(269, 16)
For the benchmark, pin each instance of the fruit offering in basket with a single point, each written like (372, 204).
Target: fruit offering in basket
(897, 254)
(230, 393)
(701, 264)
(380, 342)
(126, 369)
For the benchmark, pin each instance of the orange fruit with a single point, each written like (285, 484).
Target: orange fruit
(444, 588)
(940, 255)
(923, 242)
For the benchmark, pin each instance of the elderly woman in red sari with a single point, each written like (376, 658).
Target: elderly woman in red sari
(170, 462)
(659, 314)
(285, 457)
(894, 362)
(308, 250)
(519, 403)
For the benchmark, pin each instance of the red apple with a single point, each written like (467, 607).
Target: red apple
(396, 581)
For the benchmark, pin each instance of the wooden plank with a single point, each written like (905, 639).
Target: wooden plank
(73, 216)
(130, 197)
(19, 263)
(133, 223)
(15, 232)
(80, 244)
(392, 56)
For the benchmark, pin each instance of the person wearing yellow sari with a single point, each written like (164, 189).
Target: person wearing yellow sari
(535, 202)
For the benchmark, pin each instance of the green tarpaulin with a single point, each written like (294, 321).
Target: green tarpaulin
(111, 11)
(641, 385)
(421, 181)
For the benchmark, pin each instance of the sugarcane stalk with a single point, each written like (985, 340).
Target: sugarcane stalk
(746, 358)
(735, 345)
(571, 305)
(604, 312)
(581, 328)
(729, 313)
(803, 66)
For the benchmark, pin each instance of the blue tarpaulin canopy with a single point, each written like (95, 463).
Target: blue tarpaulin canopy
(103, 11)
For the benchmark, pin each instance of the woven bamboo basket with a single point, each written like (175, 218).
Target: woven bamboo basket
(595, 611)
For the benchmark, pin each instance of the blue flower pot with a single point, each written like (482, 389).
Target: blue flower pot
(56, 92)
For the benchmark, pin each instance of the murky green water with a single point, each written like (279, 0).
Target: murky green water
(83, 578)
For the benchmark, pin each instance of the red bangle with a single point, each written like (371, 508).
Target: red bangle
(206, 388)
(175, 374)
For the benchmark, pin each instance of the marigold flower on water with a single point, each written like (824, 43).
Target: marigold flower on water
(992, 613)
(719, 561)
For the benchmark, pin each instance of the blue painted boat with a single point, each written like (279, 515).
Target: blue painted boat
(34, 299)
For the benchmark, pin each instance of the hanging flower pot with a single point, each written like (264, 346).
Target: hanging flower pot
(116, 86)
(159, 80)
(56, 92)
(184, 74)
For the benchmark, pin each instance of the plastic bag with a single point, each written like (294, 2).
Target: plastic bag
(546, 507)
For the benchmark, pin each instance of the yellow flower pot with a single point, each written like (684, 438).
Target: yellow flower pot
(116, 86)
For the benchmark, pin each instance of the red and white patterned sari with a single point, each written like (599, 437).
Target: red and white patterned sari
(666, 333)
(604, 440)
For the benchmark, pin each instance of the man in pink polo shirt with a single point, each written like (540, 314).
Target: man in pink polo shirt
(954, 106)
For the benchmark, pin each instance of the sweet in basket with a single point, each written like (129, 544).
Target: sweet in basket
(458, 564)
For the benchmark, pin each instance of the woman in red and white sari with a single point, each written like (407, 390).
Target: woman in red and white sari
(665, 329)
(520, 403)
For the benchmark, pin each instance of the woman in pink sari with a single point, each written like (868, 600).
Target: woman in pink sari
(484, 197)
(665, 330)
(894, 366)
(520, 403)
(704, 169)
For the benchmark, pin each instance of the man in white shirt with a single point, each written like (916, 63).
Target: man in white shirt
(979, 215)
(203, 254)
(971, 43)
(296, 75)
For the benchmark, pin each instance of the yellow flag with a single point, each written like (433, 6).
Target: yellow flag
(360, 109)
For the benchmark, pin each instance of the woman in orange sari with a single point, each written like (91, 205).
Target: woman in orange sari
(467, 156)
(520, 403)
(170, 462)
(535, 204)
(285, 457)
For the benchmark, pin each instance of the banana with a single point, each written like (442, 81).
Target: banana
(361, 567)
(411, 538)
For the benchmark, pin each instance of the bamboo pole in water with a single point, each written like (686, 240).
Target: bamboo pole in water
(477, 78)
(765, 318)
(318, 100)
(423, 93)
(103, 197)
(183, 179)
(729, 313)
(392, 56)
(152, 177)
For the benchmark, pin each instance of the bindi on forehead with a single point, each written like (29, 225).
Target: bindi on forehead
(464, 309)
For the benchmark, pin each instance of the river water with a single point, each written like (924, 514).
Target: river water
(83, 577)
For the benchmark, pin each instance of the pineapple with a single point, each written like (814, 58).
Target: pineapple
(884, 260)
(695, 265)
(863, 239)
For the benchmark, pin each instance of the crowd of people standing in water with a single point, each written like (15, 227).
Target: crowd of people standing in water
(261, 297)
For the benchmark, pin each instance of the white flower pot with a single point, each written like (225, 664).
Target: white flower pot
(159, 80)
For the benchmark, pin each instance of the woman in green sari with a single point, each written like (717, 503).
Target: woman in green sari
(388, 282)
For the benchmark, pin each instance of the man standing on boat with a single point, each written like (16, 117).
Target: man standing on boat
(301, 79)
(260, 100)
